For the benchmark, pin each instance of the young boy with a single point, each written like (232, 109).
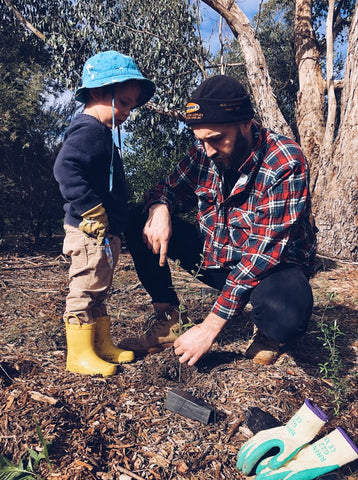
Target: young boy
(89, 170)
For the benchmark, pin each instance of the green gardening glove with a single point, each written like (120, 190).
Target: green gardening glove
(95, 223)
(286, 440)
(325, 455)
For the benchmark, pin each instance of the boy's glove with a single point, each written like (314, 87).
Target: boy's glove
(286, 440)
(95, 223)
(325, 455)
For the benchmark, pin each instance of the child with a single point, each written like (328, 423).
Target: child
(90, 173)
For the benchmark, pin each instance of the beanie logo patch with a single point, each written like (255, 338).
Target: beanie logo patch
(231, 107)
(192, 107)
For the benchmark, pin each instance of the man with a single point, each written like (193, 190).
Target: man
(254, 240)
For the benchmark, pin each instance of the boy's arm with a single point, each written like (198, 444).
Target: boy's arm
(80, 150)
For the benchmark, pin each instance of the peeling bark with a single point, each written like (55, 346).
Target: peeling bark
(336, 191)
(310, 97)
(256, 67)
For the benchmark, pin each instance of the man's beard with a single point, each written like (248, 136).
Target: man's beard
(233, 160)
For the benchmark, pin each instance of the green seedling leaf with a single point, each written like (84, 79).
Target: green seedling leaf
(44, 453)
(8, 471)
(187, 325)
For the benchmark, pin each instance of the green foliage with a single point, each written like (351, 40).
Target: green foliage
(27, 467)
(155, 145)
(161, 36)
(332, 369)
(8, 471)
(28, 135)
(43, 455)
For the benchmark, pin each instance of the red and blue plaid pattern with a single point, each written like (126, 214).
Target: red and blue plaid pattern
(263, 222)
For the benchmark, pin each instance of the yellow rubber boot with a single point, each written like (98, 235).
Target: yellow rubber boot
(104, 346)
(81, 356)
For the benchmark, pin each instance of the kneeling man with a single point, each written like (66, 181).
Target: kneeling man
(253, 239)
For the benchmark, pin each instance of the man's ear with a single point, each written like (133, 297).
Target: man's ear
(245, 126)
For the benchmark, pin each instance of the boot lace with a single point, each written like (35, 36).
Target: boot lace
(155, 321)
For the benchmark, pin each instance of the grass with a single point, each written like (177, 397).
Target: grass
(29, 463)
(333, 368)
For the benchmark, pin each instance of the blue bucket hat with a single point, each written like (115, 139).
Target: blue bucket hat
(108, 68)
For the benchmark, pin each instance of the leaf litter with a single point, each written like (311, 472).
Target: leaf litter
(117, 427)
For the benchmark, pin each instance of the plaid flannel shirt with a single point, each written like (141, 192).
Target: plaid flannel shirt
(264, 221)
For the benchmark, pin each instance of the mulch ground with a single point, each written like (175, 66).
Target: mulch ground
(119, 427)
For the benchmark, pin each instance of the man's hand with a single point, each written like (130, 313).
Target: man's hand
(158, 230)
(198, 340)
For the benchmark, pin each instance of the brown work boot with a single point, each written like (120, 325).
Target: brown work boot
(262, 350)
(161, 330)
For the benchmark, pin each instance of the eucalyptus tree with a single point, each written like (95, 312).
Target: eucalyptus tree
(28, 192)
(326, 107)
(163, 38)
(274, 27)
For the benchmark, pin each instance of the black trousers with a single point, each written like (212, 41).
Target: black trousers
(281, 303)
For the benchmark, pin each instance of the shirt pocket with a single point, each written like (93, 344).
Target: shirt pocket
(207, 199)
(240, 223)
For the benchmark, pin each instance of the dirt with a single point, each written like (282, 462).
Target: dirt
(119, 427)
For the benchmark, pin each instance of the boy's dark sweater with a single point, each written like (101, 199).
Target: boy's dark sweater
(82, 170)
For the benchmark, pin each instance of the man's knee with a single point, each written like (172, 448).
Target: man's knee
(282, 305)
(280, 321)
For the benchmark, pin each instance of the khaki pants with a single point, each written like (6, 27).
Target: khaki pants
(90, 275)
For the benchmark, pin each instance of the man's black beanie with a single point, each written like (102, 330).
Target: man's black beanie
(219, 99)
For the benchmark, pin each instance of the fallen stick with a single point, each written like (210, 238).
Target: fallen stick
(129, 473)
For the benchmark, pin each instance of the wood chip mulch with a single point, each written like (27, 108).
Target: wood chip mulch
(118, 427)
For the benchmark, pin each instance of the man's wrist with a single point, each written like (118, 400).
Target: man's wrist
(214, 323)
(155, 206)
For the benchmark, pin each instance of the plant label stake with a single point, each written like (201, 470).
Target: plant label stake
(179, 401)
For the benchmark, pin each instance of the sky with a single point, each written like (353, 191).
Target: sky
(210, 21)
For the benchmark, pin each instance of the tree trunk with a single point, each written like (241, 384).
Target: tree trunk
(336, 190)
(310, 97)
(256, 67)
(332, 103)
